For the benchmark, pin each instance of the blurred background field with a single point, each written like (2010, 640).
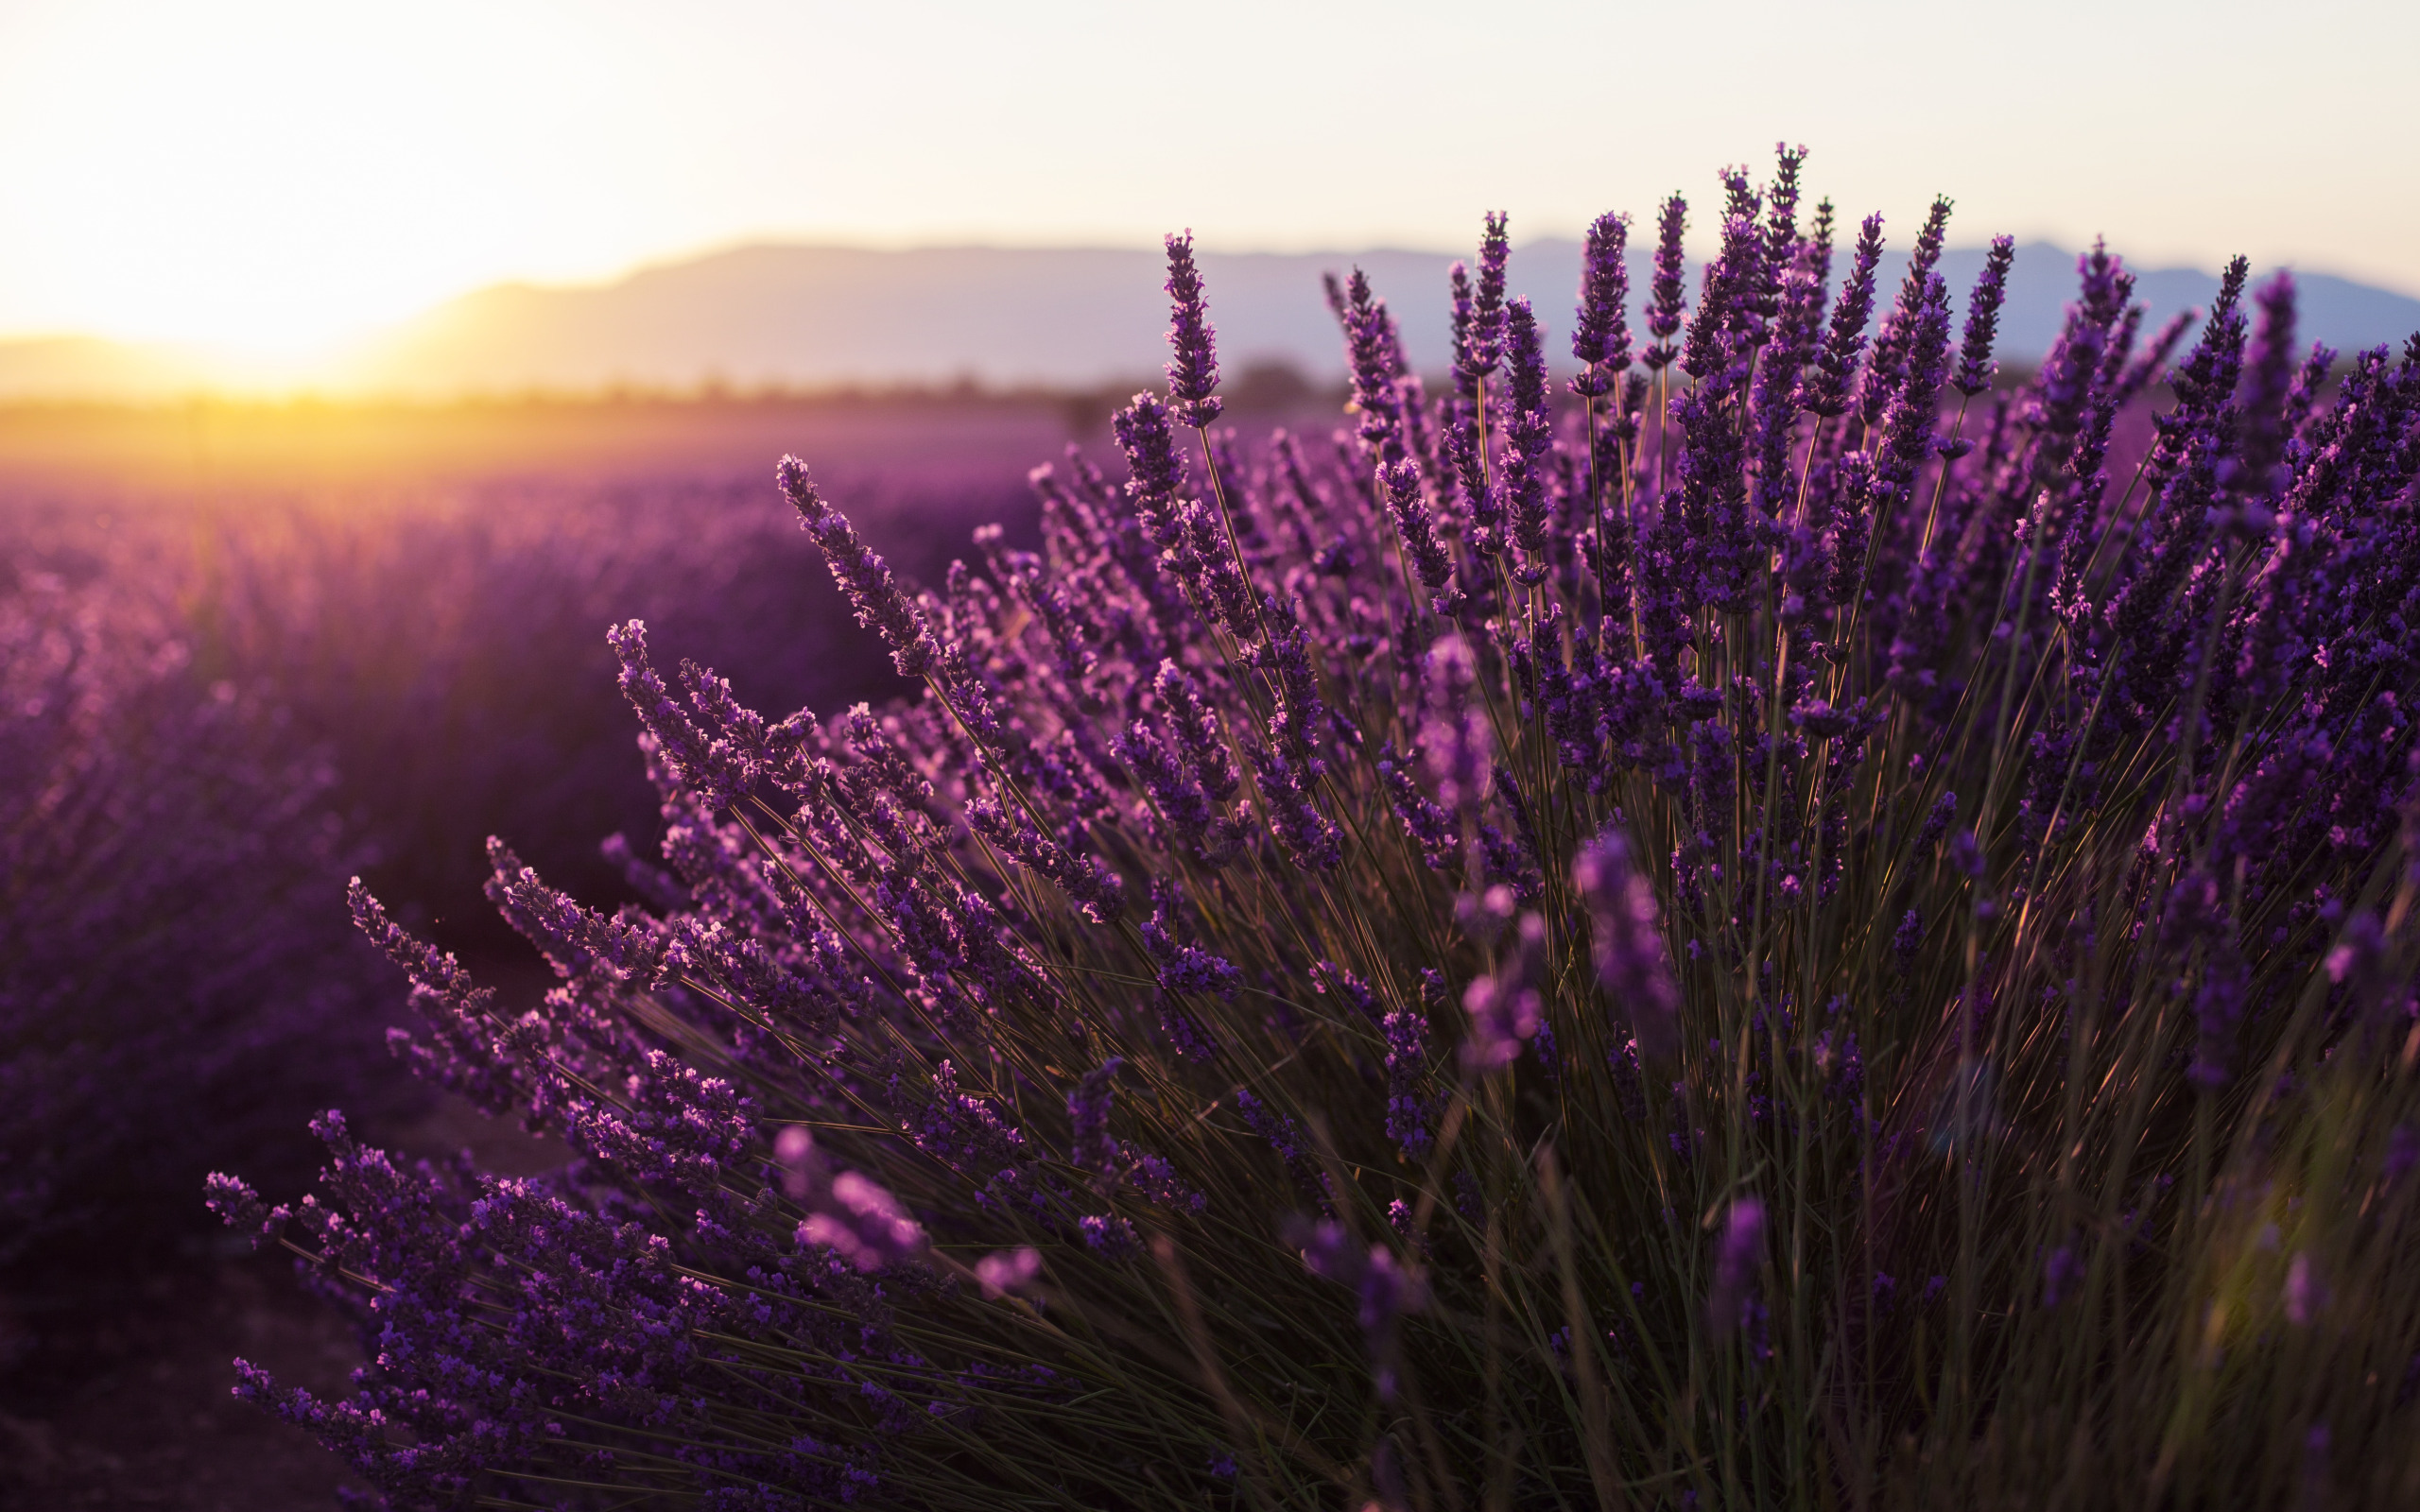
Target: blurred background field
(252, 649)
(423, 590)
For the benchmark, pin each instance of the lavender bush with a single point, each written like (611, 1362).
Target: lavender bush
(1777, 927)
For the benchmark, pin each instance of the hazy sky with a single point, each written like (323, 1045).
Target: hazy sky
(273, 174)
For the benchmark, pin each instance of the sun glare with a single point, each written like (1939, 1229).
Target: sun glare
(278, 185)
(273, 176)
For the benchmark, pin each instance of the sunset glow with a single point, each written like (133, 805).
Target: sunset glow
(273, 175)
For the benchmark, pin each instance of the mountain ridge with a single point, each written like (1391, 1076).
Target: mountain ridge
(808, 315)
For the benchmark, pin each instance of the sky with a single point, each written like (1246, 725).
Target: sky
(270, 176)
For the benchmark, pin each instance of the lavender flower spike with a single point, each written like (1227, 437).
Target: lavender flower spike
(1628, 944)
(1428, 555)
(1484, 347)
(1193, 375)
(864, 1223)
(1506, 1008)
(1312, 840)
(1740, 1251)
(1529, 440)
(1008, 1270)
(1092, 1146)
(1974, 364)
(864, 578)
(1667, 292)
(1600, 336)
(1144, 434)
(1373, 351)
(1825, 391)
(2268, 374)
(856, 1218)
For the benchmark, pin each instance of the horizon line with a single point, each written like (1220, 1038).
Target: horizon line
(222, 348)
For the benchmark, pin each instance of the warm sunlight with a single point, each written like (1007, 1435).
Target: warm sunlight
(272, 179)
(273, 173)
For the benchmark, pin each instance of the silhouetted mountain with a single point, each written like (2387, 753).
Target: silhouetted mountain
(816, 316)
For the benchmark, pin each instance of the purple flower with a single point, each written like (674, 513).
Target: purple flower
(241, 1208)
(1376, 356)
(1183, 813)
(1974, 364)
(1600, 331)
(1781, 220)
(864, 578)
(2060, 1273)
(1483, 344)
(861, 1223)
(1737, 1256)
(1112, 1238)
(1300, 718)
(1311, 839)
(2268, 377)
(1427, 554)
(1432, 827)
(1464, 306)
(1965, 856)
(1481, 500)
(1506, 1006)
(1529, 440)
(1730, 320)
(1907, 420)
(962, 1132)
(1627, 941)
(1937, 821)
(1906, 939)
(1454, 734)
(1708, 636)
(2303, 1294)
(1193, 372)
(1825, 391)
(1408, 1103)
(1668, 288)
(1087, 882)
(1284, 1139)
(1184, 969)
(1386, 1290)
(1008, 1270)
(1196, 732)
(1887, 370)
(1090, 1144)
(1144, 433)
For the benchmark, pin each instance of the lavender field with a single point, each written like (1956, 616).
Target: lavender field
(254, 650)
(1723, 904)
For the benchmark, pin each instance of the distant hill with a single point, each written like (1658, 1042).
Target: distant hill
(816, 316)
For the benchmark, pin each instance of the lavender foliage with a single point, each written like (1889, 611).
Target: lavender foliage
(1755, 1014)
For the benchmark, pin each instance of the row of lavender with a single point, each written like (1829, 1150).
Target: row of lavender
(1783, 928)
(162, 844)
(209, 718)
